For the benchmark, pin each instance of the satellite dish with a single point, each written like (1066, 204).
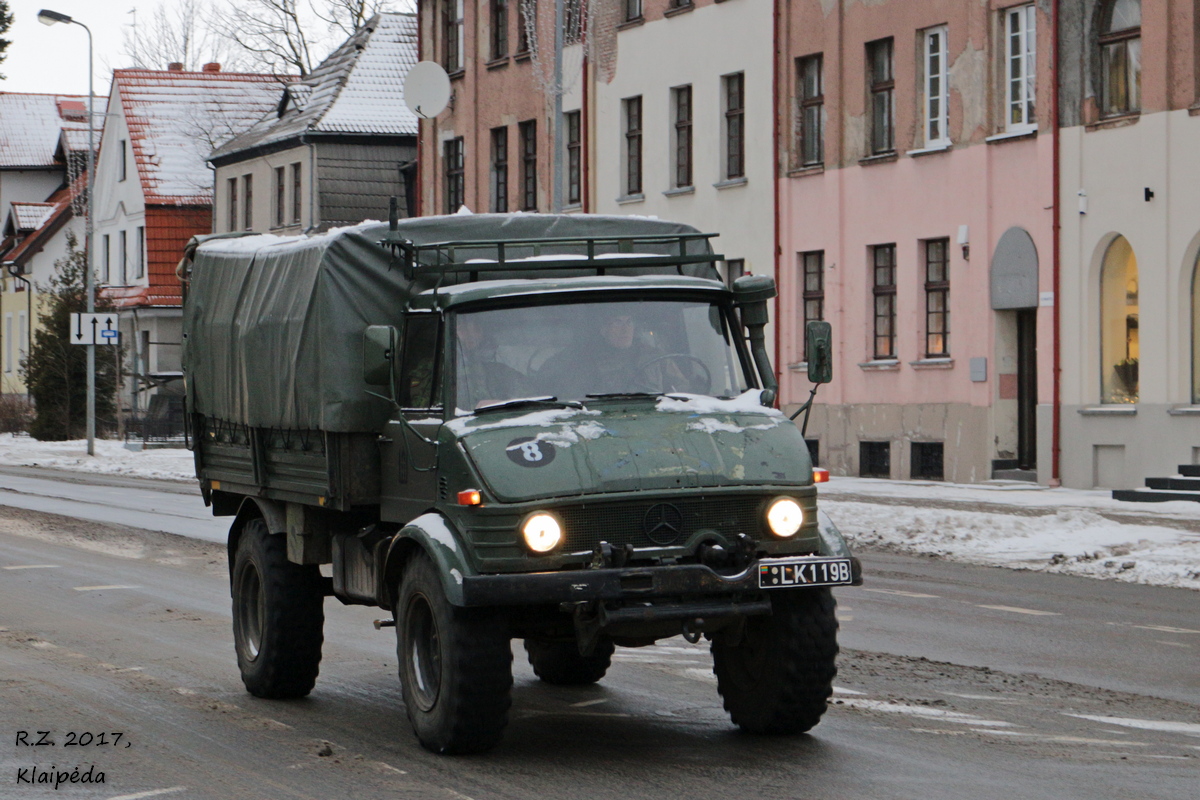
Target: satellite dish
(427, 89)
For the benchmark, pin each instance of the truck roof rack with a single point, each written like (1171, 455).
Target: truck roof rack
(599, 253)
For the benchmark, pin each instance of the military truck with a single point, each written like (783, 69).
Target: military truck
(559, 429)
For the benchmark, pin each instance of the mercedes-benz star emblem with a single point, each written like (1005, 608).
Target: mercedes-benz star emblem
(663, 523)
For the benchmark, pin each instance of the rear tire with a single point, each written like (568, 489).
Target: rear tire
(278, 616)
(778, 679)
(559, 663)
(455, 665)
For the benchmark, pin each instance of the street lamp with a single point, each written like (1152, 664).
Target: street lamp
(48, 17)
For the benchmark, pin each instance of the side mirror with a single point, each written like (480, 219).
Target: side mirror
(379, 347)
(751, 293)
(818, 350)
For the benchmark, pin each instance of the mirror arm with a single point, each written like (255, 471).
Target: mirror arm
(806, 409)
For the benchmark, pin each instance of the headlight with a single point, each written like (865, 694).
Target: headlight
(542, 532)
(785, 517)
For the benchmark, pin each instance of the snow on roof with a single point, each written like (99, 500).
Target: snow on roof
(176, 118)
(358, 89)
(30, 216)
(30, 125)
(76, 140)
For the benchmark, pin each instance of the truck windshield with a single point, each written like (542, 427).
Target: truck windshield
(576, 351)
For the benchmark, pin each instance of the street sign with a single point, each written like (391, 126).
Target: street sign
(94, 329)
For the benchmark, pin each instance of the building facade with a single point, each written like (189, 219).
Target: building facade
(38, 168)
(337, 147)
(916, 199)
(1130, 240)
(153, 193)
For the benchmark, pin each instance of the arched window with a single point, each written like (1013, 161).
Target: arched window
(1121, 58)
(1196, 333)
(1119, 324)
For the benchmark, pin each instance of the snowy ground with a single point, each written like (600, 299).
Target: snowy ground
(1016, 525)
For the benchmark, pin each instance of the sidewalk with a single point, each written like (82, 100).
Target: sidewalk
(1003, 523)
(1022, 526)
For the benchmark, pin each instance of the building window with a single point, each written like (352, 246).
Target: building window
(140, 253)
(499, 170)
(455, 174)
(937, 90)
(296, 193)
(937, 298)
(124, 161)
(8, 343)
(574, 15)
(233, 204)
(1121, 58)
(882, 83)
(1119, 324)
(526, 15)
(812, 297)
(927, 461)
(632, 108)
(884, 290)
(248, 202)
(452, 19)
(574, 158)
(875, 459)
(22, 337)
(106, 259)
(499, 29)
(679, 4)
(734, 269)
(528, 133)
(1020, 59)
(735, 120)
(810, 76)
(681, 101)
(280, 196)
(123, 256)
(633, 10)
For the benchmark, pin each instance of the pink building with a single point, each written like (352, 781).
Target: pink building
(916, 214)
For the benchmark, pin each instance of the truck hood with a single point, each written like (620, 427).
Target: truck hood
(681, 441)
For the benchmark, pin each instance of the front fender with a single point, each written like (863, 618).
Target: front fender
(437, 537)
(834, 544)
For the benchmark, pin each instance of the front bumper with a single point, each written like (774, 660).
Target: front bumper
(629, 583)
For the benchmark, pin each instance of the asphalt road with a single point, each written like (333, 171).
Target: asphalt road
(955, 682)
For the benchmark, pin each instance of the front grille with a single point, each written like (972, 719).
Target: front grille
(626, 523)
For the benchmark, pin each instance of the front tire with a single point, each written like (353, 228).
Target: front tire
(455, 665)
(779, 678)
(278, 616)
(560, 664)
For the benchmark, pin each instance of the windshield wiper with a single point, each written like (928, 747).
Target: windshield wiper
(624, 395)
(519, 402)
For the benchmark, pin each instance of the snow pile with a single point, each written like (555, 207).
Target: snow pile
(111, 458)
(1072, 541)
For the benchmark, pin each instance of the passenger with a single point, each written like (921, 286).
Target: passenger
(482, 378)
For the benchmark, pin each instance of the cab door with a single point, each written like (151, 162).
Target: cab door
(409, 445)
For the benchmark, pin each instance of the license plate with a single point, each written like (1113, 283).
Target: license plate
(782, 573)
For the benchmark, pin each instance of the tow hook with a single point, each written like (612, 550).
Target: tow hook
(693, 629)
(384, 623)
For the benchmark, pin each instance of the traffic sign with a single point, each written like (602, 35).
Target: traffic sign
(94, 329)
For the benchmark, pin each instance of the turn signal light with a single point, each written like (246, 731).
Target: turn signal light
(820, 475)
(470, 497)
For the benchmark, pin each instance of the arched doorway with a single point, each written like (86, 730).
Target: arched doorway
(1014, 295)
(1119, 324)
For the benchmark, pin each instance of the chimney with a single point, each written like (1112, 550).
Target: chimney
(175, 66)
(212, 66)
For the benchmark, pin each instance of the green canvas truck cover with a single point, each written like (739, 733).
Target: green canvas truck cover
(273, 326)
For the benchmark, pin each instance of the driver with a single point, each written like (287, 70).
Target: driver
(482, 378)
(616, 359)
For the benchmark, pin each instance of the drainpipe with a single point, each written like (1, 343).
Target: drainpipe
(775, 182)
(418, 206)
(1056, 426)
(312, 184)
(585, 139)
